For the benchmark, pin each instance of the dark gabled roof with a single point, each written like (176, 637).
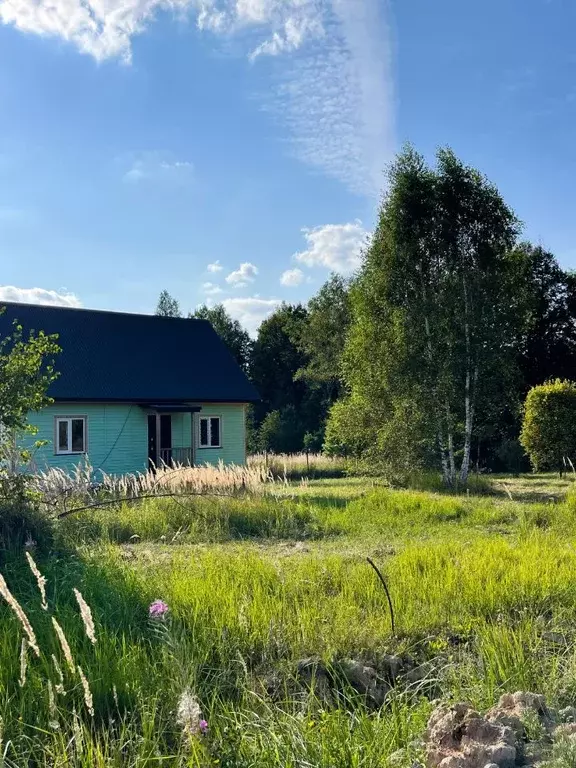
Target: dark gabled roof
(115, 356)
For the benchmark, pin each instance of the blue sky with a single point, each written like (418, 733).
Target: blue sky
(233, 150)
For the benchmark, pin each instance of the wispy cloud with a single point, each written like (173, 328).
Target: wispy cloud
(246, 273)
(250, 311)
(158, 167)
(338, 97)
(215, 266)
(335, 97)
(337, 247)
(211, 289)
(60, 298)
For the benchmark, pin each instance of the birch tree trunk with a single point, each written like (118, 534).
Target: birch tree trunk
(451, 459)
(468, 421)
(439, 431)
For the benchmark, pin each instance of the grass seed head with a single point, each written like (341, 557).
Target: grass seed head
(40, 580)
(64, 645)
(21, 616)
(86, 614)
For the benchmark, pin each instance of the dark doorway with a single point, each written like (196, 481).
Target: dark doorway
(152, 442)
(166, 438)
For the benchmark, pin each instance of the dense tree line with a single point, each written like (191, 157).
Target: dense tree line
(425, 357)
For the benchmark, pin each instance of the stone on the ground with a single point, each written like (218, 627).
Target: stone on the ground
(554, 638)
(392, 667)
(364, 680)
(568, 715)
(314, 675)
(513, 709)
(459, 737)
(566, 731)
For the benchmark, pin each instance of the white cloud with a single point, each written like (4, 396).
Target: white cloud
(292, 278)
(215, 266)
(211, 289)
(39, 296)
(337, 247)
(158, 167)
(295, 31)
(246, 273)
(336, 95)
(250, 311)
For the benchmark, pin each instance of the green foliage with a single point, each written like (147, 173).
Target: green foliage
(167, 306)
(324, 335)
(549, 426)
(432, 316)
(281, 431)
(26, 372)
(277, 357)
(351, 428)
(548, 349)
(230, 331)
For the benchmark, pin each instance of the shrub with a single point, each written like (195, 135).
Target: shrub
(549, 426)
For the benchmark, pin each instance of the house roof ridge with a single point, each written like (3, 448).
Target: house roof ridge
(122, 312)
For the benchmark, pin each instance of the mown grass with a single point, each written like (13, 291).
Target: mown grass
(483, 589)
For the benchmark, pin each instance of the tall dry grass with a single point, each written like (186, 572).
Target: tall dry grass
(57, 487)
(294, 465)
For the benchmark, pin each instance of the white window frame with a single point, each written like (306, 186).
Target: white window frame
(207, 417)
(68, 420)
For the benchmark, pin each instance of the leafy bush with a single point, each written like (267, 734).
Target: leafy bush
(23, 523)
(549, 426)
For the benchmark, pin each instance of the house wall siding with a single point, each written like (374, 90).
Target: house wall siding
(118, 436)
(233, 450)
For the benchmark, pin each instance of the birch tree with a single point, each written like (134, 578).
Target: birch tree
(433, 317)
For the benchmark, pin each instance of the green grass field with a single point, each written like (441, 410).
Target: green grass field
(483, 587)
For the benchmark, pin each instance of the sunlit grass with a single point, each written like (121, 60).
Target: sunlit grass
(479, 584)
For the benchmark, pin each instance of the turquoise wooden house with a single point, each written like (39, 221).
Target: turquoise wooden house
(136, 391)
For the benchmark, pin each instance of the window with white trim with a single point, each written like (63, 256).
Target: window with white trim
(210, 432)
(70, 434)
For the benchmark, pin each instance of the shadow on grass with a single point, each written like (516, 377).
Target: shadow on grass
(200, 519)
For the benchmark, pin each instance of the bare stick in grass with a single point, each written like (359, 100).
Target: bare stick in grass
(378, 573)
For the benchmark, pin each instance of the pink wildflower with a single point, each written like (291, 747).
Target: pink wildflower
(158, 609)
(203, 725)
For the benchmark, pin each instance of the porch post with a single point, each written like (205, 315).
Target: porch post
(193, 443)
(159, 447)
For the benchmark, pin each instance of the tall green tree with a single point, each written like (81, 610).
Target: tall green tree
(432, 317)
(167, 306)
(323, 338)
(276, 358)
(230, 331)
(548, 349)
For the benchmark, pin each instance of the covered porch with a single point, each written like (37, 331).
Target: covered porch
(171, 434)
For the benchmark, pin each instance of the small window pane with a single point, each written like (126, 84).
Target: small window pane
(215, 432)
(62, 435)
(78, 435)
(203, 432)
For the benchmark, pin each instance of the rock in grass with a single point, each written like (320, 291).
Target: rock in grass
(554, 638)
(392, 667)
(568, 715)
(459, 737)
(514, 709)
(364, 679)
(312, 673)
